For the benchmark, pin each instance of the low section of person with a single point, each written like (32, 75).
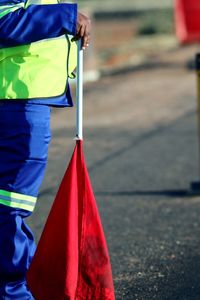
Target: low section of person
(37, 56)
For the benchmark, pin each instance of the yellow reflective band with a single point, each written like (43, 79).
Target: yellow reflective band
(6, 9)
(17, 200)
(17, 205)
(38, 2)
(18, 196)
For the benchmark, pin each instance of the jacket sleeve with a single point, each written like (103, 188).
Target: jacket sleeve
(37, 22)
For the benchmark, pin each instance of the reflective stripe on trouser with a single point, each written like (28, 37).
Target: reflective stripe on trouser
(17, 200)
(24, 140)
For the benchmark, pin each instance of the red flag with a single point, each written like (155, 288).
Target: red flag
(72, 260)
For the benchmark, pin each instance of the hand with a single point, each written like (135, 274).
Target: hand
(83, 30)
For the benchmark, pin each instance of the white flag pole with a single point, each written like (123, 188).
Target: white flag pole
(79, 93)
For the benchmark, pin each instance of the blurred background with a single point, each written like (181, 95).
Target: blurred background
(141, 142)
(127, 33)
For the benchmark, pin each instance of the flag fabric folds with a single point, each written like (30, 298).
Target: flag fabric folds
(72, 261)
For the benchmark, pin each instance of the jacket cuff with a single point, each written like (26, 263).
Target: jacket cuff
(70, 12)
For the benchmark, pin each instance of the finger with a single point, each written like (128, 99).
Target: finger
(86, 38)
(82, 31)
(86, 41)
(78, 28)
(87, 32)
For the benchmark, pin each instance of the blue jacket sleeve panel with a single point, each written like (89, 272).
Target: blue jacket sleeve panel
(37, 22)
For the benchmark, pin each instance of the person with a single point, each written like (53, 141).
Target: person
(36, 59)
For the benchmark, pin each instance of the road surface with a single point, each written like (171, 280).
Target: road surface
(141, 150)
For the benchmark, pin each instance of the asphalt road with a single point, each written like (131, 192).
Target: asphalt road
(141, 150)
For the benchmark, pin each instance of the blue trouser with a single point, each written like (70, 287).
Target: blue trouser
(24, 140)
